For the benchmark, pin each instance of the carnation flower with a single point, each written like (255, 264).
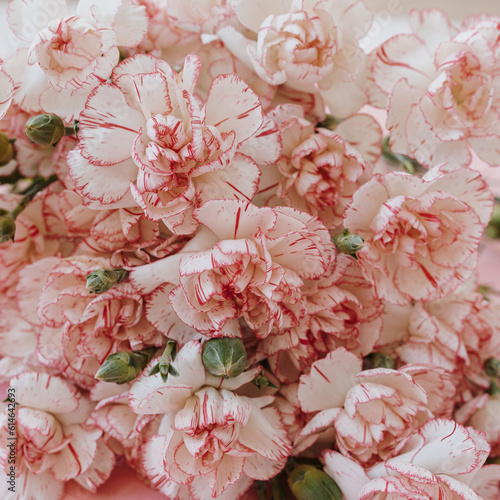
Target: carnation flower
(459, 333)
(307, 45)
(421, 235)
(251, 264)
(440, 461)
(54, 444)
(372, 411)
(177, 155)
(320, 170)
(63, 57)
(78, 330)
(207, 431)
(341, 309)
(443, 88)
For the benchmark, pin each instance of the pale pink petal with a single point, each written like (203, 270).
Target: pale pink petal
(261, 468)
(200, 490)
(28, 17)
(349, 475)
(329, 381)
(45, 392)
(364, 134)
(240, 180)
(107, 185)
(264, 434)
(467, 185)
(100, 469)
(320, 421)
(487, 149)
(77, 457)
(245, 114)
(6, 87)
(432, 26)
(252, 15)
(107, 124)
(31, 486)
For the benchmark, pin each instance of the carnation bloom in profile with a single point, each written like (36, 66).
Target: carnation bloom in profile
(63, 57)
(145, 140)
(54, 442)
(483, 413)
(208, 433)
(308, 45)
(77, 330)
(319, 168)
(442, 460)
(443, 84)
(372, 411)
(247, 262)
(421, 235)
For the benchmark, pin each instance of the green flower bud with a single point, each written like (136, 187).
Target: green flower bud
(6, 150)
(494, 389)
(330, 122)
(348, 243)
(492, 367)
(164, 366)
(381, 360)
(122, 367)
(102, 280)
(262, 381)
(310, 483)
(224, 357)
(45, 130)
(7, 228)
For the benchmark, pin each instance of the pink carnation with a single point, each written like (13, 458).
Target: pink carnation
(254, 267)
(421, 235)
(309, 46)
(207, 431)
(320, 170)
(54, 444)
(158, 148)
(459, 333)
(442, 460)
(372, 411)
(78, 330)
(63, 57)
(443, 85)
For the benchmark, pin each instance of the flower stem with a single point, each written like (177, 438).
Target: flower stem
(409, 164)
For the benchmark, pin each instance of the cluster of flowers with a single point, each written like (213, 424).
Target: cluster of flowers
(211, 270)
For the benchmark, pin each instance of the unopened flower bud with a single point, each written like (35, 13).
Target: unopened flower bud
(381, 360)
(310, 483)
(45, 130)
(262, 381)
(6, 150)
(122, 367)
(224, 357)
(492, 367)
(7, 228)
(348, 243)
(102, 280)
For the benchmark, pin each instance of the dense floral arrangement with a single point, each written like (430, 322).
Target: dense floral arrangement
(214, 265)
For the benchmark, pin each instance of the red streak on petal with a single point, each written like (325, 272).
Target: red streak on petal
(451, 433)
(237, 223)
(428, 276)
(321, 373)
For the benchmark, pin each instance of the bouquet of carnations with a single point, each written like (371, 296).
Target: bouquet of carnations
(217, 265)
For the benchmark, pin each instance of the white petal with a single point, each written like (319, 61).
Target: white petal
(232, 105)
